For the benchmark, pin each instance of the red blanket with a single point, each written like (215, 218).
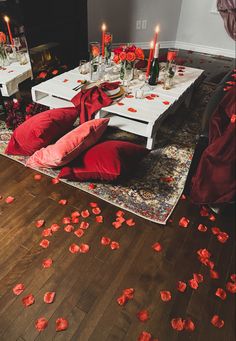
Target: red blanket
(215, 182)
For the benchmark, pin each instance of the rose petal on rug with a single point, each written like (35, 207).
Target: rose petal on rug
(93, 204)
(157, 247)
(117, 225)
(44, 243)
(120, 220)
(221, 293)
(215, 230)
(55, 181)
(39, 223)
(84, 248)
(198, 277)
(74, 248)
(28, 300)
(37, 177)
(79, 233)
(47, 263)
(165, 296)
(204, 253)
(189, 325)
(66, 220)
(177, 324)
(18, 289)
(85, 214)
(9, 200)
(69, 228)
(96, 210)
(105, 241)
(214, 274)
(49, 297)
(233, 277)
(114, 245)
(144, 336)
(61, 324)
(204, 211)
(84, 225)
(222, 237)
(62, 202)
(143, 315)
(41, 324)
(122, 300)
(55, 227)
(99, 219)
(75, 220)
(130, 222)
(92, 186)
(129, 293)
(193, 284)
(212, 217)
(202, 228)
(120, 213)
(231, 287)
(181, 286)
(47, 232)
(184, 222)
(75, 214)
(217, 322)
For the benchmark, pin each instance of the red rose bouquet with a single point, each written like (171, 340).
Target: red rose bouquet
(108, 46)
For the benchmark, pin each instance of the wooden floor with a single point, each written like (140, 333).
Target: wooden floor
(87, 285)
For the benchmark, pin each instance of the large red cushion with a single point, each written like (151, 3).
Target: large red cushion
(41, 130)
(109, 160)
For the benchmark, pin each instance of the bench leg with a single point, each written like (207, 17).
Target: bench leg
(150, 143)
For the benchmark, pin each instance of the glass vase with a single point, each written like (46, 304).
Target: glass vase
(126, 72)
(108, 47)
(94, 54)
(4, 59)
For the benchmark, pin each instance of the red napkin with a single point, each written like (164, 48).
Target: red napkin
(109, 86)
(90, 101)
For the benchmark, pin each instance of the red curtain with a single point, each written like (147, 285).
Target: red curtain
(227, 9)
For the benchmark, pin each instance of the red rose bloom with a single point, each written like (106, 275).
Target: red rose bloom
(130, 57)
(3, 38)
(139, 53)
(122, 56)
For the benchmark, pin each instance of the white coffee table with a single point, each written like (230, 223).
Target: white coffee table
(147, 115)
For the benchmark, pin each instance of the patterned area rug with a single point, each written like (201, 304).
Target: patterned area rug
(154, 189)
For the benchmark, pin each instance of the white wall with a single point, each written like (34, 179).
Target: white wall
(203, 30)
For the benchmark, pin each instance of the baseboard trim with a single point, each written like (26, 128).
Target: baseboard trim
(186, 46)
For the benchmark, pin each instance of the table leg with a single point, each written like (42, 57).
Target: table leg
(150, 143)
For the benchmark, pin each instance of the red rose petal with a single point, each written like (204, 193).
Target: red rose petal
(132, 110)
(62, 202)
(114, 245)
(193, 284)
(214, 274)
(66, 220)
(222, 237)
(93, 204)
(75, 220)
(69, 228)
(157, 247)
(129, 96)
(189, 325)
(55, 227)
(150, 98)
(116, 224)
(120, 103)
(85, 214)
(181, 286)
(166, 102)
(75, 214)
(130, 222)
(181, 74)
(55, 181)
(212, 217)
(233, 118)
(183, 197)
(217, 322)
(120, 213)
(74, 248)
(202, 228)
(84, 248)
(105, 241)
(231, 287)
(122, 300)
(177, 323)
(28, 300)
(84, 225)
(165, 296)
(233, 277)
(47, 263)
(99, 219)
(145, 336)
(221, 293)
(96, 210)
(37, 177)
(92, 186)
(198, 277)
(143, 315)
(154, 95)
(47, 232)
(129, 293)
(61, 324)
(44, 243)
(204, 253)
(215, 230)
(204, 212)
(49, 297)
(39, 223)
(18, 289)
(184, 222)
(9, 200)
(41, 324)
(121, 220)
(79, 233)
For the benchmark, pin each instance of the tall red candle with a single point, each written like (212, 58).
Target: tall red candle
(9, 29)
(150, 59)
(155, 37)
(103, 39)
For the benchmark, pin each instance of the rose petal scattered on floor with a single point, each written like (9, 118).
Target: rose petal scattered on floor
(79, 233)
(47, 232)
(221, 293)
(116, 224)
(84, 248)
(165, 296)
(41, 324)
(145, 336)
(54, 227)
(99, 219)
(157, 247)
(120, 220)
(105, 241)
(61, 324)
(9, 200)
(122, 300)
(129, 293)
(66, 220)
(93, 204)
(75, 220)
(193, 284)
(47, 263)
(202, 228)
(217, 322)
(49, 297)
(198, 277)
(37, 177)
(177, 323)
(233, 277)
(85, 214)
(214, 274)
(222, 237)
(74, 248)
(18, 289)
(184, 222)
(114, 245)
(69, 228)
(181, 286)
(28, 300)
(96, 210)
(130, 222)
(231, 287)
(143, 315)
(204, 212)
(215, 230)
(75, 214)
(189, 325)
(39, 223)
(84, 225)
(62, 202)
(44, 243)
(55, 181)
(120, 213)
(92, 186)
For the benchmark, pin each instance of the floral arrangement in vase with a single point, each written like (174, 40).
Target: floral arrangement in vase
(127, 56)
(108, 46)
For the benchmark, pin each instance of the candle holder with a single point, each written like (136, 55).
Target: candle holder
(170, 69)
(94, 54)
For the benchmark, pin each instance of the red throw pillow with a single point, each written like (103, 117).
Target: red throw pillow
(109, 160)
(41, 130)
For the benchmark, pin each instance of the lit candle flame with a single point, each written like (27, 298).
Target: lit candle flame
(104, 27)
(6, 18)
(157, 29)
(152, 44)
